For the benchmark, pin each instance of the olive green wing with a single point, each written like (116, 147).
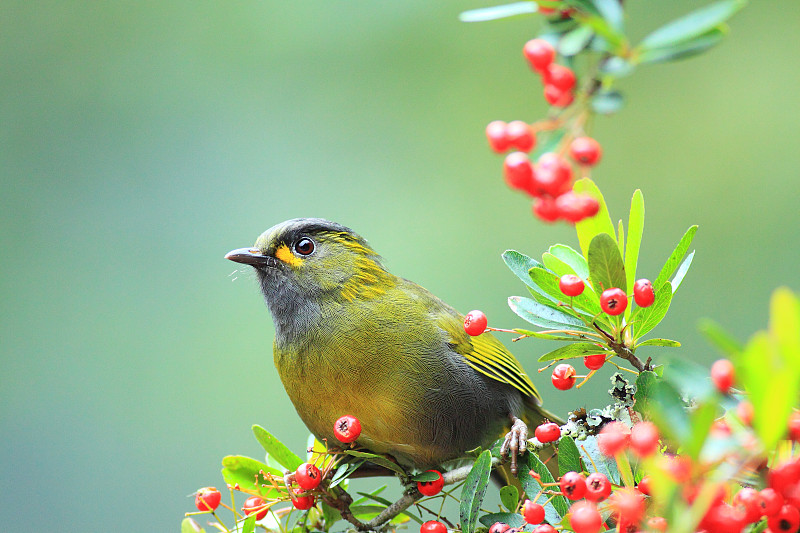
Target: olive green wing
(487, 355)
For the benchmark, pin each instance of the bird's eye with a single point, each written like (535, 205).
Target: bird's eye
(304, 246)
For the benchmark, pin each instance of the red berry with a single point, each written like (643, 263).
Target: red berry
(643, 293)
(772, 501)
(575, 207)
(520, 136)
(499, 527)
(585, 151)
(560, 77)
(532, 512)
(613, 301)
(308, 476)
(598, 487)
(744, 410)
(302, 502)
(644, 485)
(787, 519)
(722, 375)
(545, 208)
(613, 438)
(347, 429)
(781, 477)
(794, 426)
(539, 53)
(547, 432)
(657, 523)
(497, 135)
(555, 96)
(628, 505)
(518, 171)
(563, 377)
(475, 323)
(434, 526)
(585, 518)
(644, 438)
(544, 528)
(571, 285)
(547, 11)
(207, 499)
(751, 502)
(573, 485)
(431, 488)
(552, 174)
(679, 467)
(721, 518)
(595, 361)
(254, 504)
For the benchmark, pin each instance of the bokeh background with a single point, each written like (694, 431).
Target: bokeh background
(140, 141)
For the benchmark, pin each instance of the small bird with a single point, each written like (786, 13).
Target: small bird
(353, 339)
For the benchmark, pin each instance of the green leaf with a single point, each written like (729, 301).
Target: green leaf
(666, 409)
(617, 67)
(276, 449)
(250, 474)
(694, 24)
(621, 238)
(555, 509)
(569, 457)
(249, 524)
(520, 264)
(681, 272)
(512, 519)
(545, 336)
(605, 264)
(556, 265)
(190, 525)
(330, 516)
(635, 231)
(683, 50)
(343, 471)
(700, 420)
(591, 455)
(509, 495)
(607, 102)
(659, 342)
(612, 13)
(721, 339)
(571, 257)
(600, 223)
(644, 319)
(426, 476)
(378, 460)
(644, 385)
(578, 349)
(587, 301)
(675, 257)
(498, 12)
(690, 379)
(543, 316)
(474, 490)
(574, 41)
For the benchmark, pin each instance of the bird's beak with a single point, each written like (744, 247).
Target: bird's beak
(249, 256)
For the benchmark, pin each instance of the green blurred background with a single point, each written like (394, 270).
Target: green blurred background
(140, 141)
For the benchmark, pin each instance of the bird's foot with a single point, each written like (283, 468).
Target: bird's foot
(515, 442)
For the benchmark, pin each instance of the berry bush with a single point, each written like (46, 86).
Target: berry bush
(675, 447)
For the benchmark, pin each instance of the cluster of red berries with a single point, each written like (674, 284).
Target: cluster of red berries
(549, 180)
(613, 301)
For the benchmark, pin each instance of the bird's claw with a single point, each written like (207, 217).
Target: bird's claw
(515, 442)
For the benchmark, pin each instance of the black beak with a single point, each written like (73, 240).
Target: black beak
(249, 256)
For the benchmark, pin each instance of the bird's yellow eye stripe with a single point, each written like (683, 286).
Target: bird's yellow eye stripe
(284, 254)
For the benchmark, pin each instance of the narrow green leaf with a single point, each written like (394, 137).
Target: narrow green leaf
(190, 525)
(520, 264)
(569, 457)
(474, 490)
(425, 476)
(621, 239)
(574, 41)
(675, 258)
(644, 319)
(555, 509)
(605, 264)
(509, 495)
(378, 460)
(617, 67)
(721, 339)
(556, 265)
(249, 524)
(545, 336)
(607, 102)
(571, 257)
(591, 456)
(690, 379)
(681, 272)
(587, 301)
(612, 13)
(666, 409)
(625, 470)
(644, 385)
(667, 343)
(250, 474)
(635, 231)
(512, 519)
(694, 24)
(330, 515)
(578, 349)
(682, 50)
(600, 223)
(543, 316)
(498, 12)
(700, 421)
(276, 449)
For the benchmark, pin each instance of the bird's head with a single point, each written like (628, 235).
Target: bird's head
(313, 260)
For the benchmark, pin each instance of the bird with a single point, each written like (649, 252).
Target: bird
(351, 338)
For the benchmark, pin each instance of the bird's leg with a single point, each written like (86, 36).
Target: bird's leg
(514, 443)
